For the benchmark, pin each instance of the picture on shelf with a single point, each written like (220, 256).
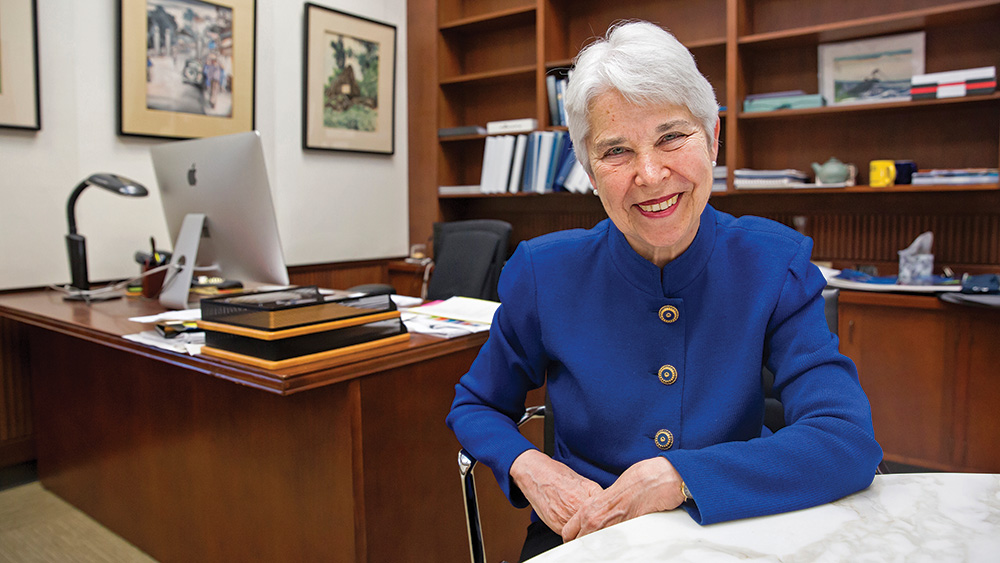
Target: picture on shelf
(870, 70)
(186, 67)
(349, 82)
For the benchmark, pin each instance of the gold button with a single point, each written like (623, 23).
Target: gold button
(668, 374)
(669, 313)
(664, 439)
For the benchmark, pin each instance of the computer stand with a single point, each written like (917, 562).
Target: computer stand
(178, 282)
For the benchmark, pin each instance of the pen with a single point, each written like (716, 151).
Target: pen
(154, 257)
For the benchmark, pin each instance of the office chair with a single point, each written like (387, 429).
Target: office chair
(466, 463)
(468, 257)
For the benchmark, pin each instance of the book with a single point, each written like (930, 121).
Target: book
(550, 90)
(784, 173)
(522, 125)
(546, 141)
(783, 94)
(305, 341)
(463, 130)
(289, 308)
(517, 166)
(954, 83)
(561, 84)
(460, 190)
(560, 140)
(775, 103)
(489, 163)
(956, 176)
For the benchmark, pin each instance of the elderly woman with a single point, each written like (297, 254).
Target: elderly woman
(650, 329)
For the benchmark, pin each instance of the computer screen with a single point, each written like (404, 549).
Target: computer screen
(223, 179)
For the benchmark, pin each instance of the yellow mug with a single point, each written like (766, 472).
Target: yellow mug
(882, 173)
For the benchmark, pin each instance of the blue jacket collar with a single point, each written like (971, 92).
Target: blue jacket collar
(677, 274)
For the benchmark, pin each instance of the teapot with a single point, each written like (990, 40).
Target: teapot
(833, 171)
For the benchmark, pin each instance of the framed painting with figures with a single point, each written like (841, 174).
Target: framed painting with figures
(186, 67)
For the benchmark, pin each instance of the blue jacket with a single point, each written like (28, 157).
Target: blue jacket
(641, 362)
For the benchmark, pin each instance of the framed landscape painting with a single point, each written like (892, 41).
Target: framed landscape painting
(872, 70)
(348, 82)
(186, 67)
(19, 96)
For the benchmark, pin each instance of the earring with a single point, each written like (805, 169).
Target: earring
(713, 163)
(595, 192)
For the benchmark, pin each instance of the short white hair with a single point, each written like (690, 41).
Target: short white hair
(647, 65)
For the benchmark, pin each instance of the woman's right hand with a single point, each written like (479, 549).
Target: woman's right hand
(554, 491)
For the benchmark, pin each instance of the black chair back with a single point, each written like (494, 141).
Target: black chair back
(468, 257)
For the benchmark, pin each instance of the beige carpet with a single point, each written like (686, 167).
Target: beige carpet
(36, 525)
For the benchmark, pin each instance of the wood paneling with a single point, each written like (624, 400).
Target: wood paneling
(17, 442)
(341, 275)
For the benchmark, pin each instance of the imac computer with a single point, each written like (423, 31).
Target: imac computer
(217, 203)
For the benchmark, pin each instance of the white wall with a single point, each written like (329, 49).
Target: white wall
(331, 206)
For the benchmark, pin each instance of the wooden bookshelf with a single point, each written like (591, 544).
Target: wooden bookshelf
(484, 60)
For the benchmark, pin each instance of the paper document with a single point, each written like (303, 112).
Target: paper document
(460, 308)
(187, 343)
(182, 315)
(440, 326)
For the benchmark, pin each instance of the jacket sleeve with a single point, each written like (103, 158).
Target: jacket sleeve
(826, 451)
(489, 399)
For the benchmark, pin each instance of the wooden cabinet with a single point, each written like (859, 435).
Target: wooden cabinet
(930, 370)
(485, 60)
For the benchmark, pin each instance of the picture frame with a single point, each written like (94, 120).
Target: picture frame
(20, 105)
(187, 68)
(349, 82)
(869, 71)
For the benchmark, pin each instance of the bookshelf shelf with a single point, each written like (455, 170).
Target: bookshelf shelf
(893, 22)
(496, 19)
(503, 73)
(852, 108)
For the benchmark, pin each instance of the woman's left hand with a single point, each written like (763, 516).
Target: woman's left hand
(651, 485)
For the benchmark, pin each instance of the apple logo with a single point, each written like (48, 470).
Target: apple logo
(191, 176)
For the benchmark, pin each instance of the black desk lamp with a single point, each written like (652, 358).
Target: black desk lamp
(75, 243)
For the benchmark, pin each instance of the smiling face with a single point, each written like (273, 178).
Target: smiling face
(652, 167)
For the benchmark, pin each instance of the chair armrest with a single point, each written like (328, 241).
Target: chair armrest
(466, 463)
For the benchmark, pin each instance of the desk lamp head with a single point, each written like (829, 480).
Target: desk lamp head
(75, 243)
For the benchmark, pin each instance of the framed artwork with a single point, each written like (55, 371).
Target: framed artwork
(186, 67)
(19, 100)
(870, 70)
(349, 83)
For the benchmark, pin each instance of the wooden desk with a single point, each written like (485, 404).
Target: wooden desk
(199, 459)
(930, 371)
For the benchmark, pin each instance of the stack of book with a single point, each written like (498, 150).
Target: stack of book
(538, 162)
(748, 179)
(954, 83)
(288, 327)
(461, 130)
(955, 176)
(555, 84)
(719, 178)
(772, 101)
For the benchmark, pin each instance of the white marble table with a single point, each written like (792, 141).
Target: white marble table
(905, 517)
